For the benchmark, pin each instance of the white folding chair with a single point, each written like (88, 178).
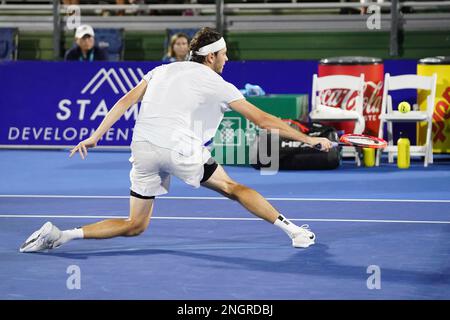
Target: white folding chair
(320, 112)
(388, 115)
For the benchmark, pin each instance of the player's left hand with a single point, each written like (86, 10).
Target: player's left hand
(83, 146)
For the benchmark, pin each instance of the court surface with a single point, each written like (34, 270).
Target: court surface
(202, 246)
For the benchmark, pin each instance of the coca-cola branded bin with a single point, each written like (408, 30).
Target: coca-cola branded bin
(441, 115)
(373, 70)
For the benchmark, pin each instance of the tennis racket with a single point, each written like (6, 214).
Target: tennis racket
(358, 140)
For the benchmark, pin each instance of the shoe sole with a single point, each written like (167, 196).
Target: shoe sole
(303, 245)
(42, 232)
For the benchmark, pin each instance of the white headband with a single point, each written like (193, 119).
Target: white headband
(211, 48)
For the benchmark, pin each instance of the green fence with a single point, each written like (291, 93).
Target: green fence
(266, 46)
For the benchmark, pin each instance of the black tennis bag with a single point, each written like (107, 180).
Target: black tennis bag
(295, 155)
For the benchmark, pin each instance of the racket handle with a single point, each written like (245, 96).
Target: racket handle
(333, 145)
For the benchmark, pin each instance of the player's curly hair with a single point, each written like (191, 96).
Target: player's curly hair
(202, 38)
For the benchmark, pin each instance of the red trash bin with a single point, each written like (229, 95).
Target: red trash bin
(373, 70)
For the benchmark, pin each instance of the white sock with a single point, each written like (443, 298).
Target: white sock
(287, 226)
(68, 235)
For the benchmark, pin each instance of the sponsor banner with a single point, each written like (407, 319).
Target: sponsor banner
(346, 99)
(50, 103)
(60, 103)
(440, 134)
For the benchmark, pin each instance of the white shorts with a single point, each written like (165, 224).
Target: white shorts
(152, 167)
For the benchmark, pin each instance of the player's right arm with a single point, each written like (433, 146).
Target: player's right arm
(131, 98)
(267, 121)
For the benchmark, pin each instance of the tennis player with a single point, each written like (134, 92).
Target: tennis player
(182, 106)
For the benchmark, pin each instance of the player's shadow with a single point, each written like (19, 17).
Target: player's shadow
(315, 261)
(106, 165)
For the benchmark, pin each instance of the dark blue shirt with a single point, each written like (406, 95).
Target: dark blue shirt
(95, 54)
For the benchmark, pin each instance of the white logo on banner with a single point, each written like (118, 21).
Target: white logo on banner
(228, 132)
(126, 83)
(89, 107)
(94, 106)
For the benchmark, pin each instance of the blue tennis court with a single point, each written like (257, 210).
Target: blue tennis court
(202, 246)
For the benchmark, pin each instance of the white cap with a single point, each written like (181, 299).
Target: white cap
(84, 30)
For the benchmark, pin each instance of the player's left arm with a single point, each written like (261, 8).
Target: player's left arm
(133, 96)
(267, 121)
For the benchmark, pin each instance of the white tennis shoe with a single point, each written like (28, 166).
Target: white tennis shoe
(303, 237)
(42, 239)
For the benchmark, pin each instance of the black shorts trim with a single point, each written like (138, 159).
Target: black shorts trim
(208, 169)
(137, 195)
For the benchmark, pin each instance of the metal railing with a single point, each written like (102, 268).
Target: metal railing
(212, 8)
(219, 11)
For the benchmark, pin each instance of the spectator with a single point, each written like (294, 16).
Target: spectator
(178, 49)
(363, 10)
(130, 11)
(85, 48)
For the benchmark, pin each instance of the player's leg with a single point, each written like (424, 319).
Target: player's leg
(254, 202)
(138, 220)
(49, 236)
(147, 180)
(219, 181)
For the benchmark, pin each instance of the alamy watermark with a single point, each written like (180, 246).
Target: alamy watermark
(73, 20)
(73, 282)
(374, 280)
(373, 22)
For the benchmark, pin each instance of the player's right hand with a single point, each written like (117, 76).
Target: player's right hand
(83, 146)
(325, 144)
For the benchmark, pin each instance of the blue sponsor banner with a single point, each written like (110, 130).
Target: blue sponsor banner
(61, 103)
(58, 103)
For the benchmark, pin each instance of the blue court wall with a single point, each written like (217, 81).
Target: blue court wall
(59, 103)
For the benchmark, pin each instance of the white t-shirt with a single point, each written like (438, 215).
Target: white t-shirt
(183, 106)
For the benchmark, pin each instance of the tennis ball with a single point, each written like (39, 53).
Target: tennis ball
(404, 107)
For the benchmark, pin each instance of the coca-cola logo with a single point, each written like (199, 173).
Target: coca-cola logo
(346, 99)
(339, 98)
(373, 97)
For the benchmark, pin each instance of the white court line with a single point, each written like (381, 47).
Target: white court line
(223, 198)
(222, 219)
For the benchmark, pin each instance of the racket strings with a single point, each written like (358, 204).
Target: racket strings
(362, 141)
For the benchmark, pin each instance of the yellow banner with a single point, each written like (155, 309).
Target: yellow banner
(441, 116)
